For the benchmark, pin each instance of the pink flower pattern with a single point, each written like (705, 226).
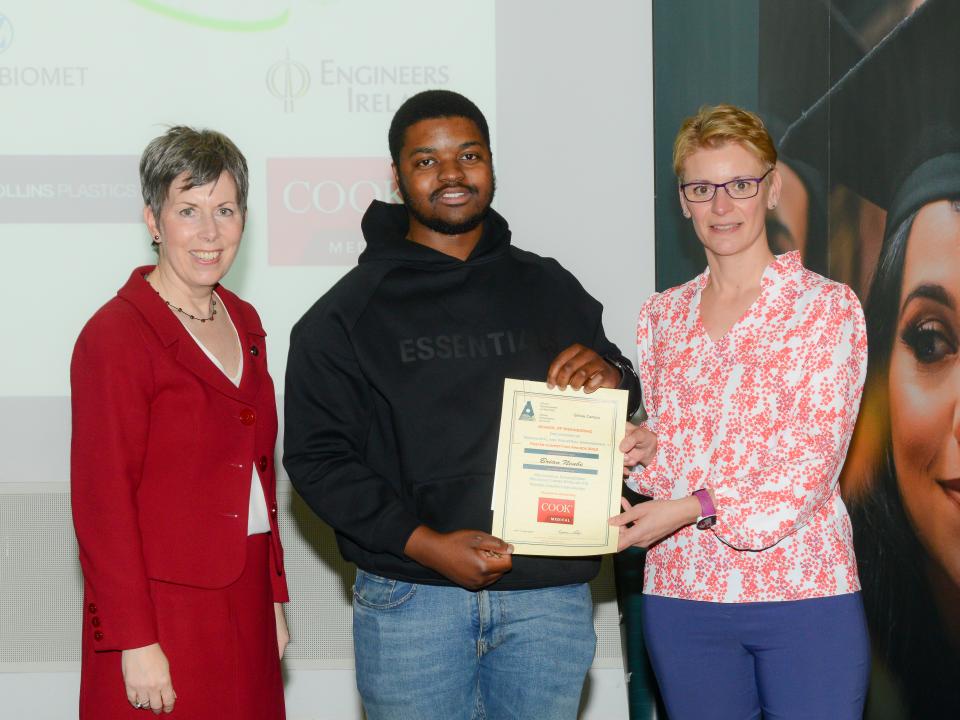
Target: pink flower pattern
(763, 416)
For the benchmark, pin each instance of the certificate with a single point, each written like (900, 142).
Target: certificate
(559, 469)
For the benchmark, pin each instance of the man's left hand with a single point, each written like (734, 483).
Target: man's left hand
(581, 368)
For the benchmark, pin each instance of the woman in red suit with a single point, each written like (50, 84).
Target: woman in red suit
(172, 464)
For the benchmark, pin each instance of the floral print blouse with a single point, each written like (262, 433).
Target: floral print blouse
(763, 416)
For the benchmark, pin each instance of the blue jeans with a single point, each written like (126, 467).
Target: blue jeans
(425, 651)
(791, 660)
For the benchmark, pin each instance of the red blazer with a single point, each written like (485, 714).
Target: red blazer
(161, 459)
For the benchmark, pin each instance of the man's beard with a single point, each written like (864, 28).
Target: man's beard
(441, 226)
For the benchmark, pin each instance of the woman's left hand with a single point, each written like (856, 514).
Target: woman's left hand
(283, 634)
(645, 523)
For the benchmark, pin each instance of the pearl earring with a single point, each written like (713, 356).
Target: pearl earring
(156, 238)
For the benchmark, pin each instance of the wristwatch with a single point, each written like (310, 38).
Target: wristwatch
(626, 369)
(708, 514)
(628, 380)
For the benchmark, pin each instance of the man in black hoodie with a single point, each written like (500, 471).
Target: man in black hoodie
(393, 391)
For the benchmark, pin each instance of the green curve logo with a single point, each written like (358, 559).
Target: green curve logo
(215, 23)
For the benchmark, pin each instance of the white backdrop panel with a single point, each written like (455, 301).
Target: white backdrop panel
(307, 89)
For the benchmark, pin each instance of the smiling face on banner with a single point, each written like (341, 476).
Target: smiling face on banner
(924, 385)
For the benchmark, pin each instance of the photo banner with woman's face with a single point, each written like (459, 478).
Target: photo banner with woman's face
(861, 98)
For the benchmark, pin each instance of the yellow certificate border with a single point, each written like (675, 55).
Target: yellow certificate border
(515, 395)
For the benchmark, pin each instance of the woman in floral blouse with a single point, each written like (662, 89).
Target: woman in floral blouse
(752, 374)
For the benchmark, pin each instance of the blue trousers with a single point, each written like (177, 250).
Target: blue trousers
(797, 660)
(425, 652)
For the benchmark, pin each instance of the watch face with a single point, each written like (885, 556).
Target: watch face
(705, 523)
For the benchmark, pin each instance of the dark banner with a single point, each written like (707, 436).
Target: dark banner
(863, 100)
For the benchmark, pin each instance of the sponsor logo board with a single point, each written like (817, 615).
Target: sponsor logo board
(314, 207)
(70, 188)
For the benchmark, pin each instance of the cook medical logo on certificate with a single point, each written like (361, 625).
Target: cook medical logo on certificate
(559, 470)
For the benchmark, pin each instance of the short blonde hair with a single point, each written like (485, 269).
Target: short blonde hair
(715, 125)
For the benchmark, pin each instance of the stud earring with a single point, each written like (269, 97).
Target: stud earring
(156, 238)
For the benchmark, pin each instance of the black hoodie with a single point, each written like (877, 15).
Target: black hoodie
(394, 384)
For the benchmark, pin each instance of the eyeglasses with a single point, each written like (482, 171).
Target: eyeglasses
(738, 189)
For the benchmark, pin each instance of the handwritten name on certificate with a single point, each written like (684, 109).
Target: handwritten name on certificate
(559, 469)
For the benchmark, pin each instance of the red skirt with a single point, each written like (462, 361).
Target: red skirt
(221, 645)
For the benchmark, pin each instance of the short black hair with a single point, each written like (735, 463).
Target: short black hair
(428, 105)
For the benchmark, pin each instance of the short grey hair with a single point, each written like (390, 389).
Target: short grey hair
(202, 154)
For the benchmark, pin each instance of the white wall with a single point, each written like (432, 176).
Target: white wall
(574, 151)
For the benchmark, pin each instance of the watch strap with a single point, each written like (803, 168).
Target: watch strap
(629, 380)
(708, 513)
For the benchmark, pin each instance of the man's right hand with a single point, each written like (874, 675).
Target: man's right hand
(471, 558)
(146, 674)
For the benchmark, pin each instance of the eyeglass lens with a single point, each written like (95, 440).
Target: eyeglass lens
(739, 189)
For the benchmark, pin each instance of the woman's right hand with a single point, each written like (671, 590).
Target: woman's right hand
(639, 447)
(146, 675)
